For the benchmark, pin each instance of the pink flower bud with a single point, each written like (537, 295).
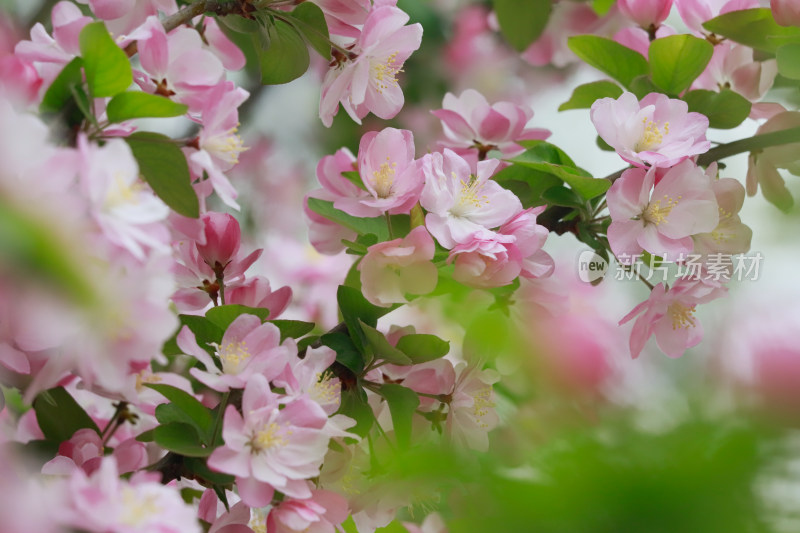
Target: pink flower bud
(786, 12)
(223, 237)
(646, 12)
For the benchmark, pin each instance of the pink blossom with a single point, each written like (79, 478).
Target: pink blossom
(730, 236)
(248, 347)
(433, 523)
(123, 16)
(669, 315)
(660, 219)
(231, 56)
(567, 19)
(388, 170)
(762, 169)
(469, 121)
(786, 12)
(103, 502)
(222, 239)
(472, 415)
(392, 269)
(460, 203)
(344, 17)
(695, 12)
(19, 79)
(658, 131)
(85, 450)
(256, 292)
(311, 376)
(645, 13)
(271, 448)
(321, 513)
(365, 80)
(638, 39)
(431, 378)
(732, 67)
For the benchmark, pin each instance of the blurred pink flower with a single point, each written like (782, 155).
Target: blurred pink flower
(657, 131)
(732, 67)
(323, 512)
(695, 12)
(392, 269)
(645, 13)
(786, 12)
(567, 19)
(472, 415)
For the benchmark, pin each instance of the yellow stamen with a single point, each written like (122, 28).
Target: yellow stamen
(267, 438)
(384, 178)
(232, 355)
(652, 136)
(483, 402)
(137, 508)
(324, 391)
(656, 213)
(226, 146)
(682, 316)
(385, 72)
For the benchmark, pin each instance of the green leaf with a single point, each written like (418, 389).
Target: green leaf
(381, 348)
(677, 60)
(755, 28)
(355, 178)
(725, 109)
(422, 347)
(403, 402)
(585, 95)
(128, 105)
(60, 420)
(181, 439)
(641, 86)
(108, 70)
(205, 331)
(286, 58)
(199, 467)
(356, 309)
(601, 7)
(59, 93)
(788, 57)
(362, 226)
(223, 316)
(164, 168)
(550, 159)
(356, 407)
(346, 352)
(522, 21)
(310, 21)
(197, 413)
(292, 328)
(560, 195)
(527, 183)
(147, 436)
(616, 60)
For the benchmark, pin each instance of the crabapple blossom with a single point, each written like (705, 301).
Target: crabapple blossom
(344, 17)
(365, 79)
(458, 202)
(732, 66)
(248, 347)
(271, 448)
(730, 236)
(646, 13)
(433, 523)
(321, 513)
(567, 19)
(469, 121)
(669, 315)
(471, 414)
(310, 376)
(663, 218)
(786, 12)
(656, 131)
(695, 12)
(763, 165)
(638, 39)
(256, 292)
(392, 269)
(222, 239)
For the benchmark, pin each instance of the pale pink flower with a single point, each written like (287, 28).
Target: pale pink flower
(126, 210)
(365, 80)
(431, 378)
(645, 13)
(248, 347)
(732, 67)
(175, 64)
(85, 450)
(211, 510)
(470, 122)
(123, 16)
(730, 236)
(344, 17)
(660, 219)
(695, 12)
(786, 12)
(472, 415)
(762, 169)
(256, 292)
(460, 203)
(271, 448)
(231, 55)
(388, 170)
(311, 376)
(658, 131)
(669, 315)
(323, 512)
(567, 19)
(103, 502)
(392, 269)
(222, 239)
(19, 79)
(433, 523)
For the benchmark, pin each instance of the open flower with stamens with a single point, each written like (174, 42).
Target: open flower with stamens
(365, 79)
(387, 168)
(669, 315)
(270, 448)
(471, 415)
(460, 203)
(248, 347)
(657, 131)
(660, 219)
(731, 236)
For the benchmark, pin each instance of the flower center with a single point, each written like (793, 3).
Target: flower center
(383, 178)
(137, 508)
(121, 192)
(657, 211)
(483, 402)
(324, 391)
(232, 355)
(226, 146)
(681, 315)
(652, 137)
(384, 72)
(469, 197)
(269, 437)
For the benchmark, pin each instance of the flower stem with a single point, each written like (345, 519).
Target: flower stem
(389, 224)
